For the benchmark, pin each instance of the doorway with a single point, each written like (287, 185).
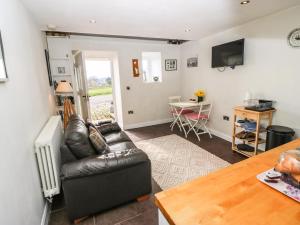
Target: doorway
(98, 85)
(100, 89)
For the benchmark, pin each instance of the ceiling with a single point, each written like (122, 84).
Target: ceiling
(152, 18)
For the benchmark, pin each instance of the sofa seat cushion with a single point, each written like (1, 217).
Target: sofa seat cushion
(77, 139)
(116, 137)
(121, 146)
(98, 141)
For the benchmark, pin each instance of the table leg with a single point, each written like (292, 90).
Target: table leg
(176, 120)
(257, 135)
(233, 132)
(270, 118)
(181, 124)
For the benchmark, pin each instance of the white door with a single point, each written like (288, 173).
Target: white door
(81, 82)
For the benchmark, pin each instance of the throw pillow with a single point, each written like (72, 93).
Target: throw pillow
(96, 128)
(98, 141)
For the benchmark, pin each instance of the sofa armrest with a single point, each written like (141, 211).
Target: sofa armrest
(103, 163)
(108, 128)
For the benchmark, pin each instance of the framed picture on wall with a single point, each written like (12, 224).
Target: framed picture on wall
(61, 70)
(170, 64)
(60, 67)
(135, 67)
(192, 62)
(3, 71)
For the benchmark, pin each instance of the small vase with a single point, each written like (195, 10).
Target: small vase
(200, 98)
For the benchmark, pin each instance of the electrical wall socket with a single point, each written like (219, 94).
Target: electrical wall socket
(226, 118)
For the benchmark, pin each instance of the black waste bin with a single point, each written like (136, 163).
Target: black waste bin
(278, 135)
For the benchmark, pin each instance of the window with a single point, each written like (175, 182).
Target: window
(151, 66)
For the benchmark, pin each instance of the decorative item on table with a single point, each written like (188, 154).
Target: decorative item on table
(192, 100)
(200, 94)
(289, 166)
(285, 177)
(248, 100)
(192, 62)
(135, 67)
(170, 64)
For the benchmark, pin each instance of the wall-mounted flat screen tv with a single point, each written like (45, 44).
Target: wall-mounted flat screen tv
(230, 54)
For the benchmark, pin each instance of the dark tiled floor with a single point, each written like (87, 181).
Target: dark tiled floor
(144, 213)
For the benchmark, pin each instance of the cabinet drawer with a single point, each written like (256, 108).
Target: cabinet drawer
(247, 115)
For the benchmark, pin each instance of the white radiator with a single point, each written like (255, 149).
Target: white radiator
(47, 149)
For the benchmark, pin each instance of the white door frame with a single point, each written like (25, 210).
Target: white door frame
(110, 58)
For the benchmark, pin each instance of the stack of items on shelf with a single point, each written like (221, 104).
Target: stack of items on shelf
(247, 135)
(248, 125)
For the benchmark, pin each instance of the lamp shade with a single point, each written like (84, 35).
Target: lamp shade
(64, 87)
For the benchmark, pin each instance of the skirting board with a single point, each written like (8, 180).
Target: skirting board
(46, 214)
(221, 135)
(146, 124)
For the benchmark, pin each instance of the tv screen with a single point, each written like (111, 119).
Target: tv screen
(230, 54)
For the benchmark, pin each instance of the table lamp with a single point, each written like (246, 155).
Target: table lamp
(65, 87)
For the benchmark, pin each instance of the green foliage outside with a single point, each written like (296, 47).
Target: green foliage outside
(100, 91)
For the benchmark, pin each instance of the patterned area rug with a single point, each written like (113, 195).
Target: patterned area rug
(176, 160)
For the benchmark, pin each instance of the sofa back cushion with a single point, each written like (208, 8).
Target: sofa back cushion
(98, 141)
(66, 155)
(77, 138)
(109, 128)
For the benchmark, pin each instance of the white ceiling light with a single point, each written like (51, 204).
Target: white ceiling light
(245, 2)
(188, 30)
(92, 21)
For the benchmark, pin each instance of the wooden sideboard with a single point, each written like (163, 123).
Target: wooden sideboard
(231, 196)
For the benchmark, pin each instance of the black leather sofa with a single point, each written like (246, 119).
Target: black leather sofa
(94, 182)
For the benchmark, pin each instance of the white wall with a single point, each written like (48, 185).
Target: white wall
(147, 100)
(26, 104)
(271, 70)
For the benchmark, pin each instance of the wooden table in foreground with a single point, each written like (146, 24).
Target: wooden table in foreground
(231, 196)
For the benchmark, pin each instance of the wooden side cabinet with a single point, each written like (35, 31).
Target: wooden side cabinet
(262, 119)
